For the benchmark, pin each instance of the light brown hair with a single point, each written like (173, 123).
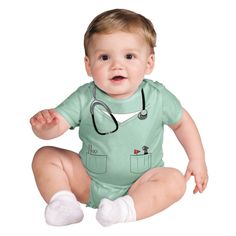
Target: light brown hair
(121, 20)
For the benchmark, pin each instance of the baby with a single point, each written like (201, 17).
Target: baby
(121, 118)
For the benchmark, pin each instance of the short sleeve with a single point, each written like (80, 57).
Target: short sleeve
(171, 108)
(70, 109)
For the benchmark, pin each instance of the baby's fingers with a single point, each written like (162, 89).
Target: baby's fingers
(37, 119)
(53, 113)
(47, 115)
(33, 121)
(187, 175)
(196, 190)
(205, 183)
(201, 184)
(44, 117)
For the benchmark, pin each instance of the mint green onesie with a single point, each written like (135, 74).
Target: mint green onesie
(115, 161)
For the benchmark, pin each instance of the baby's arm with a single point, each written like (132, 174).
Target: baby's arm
(48, 124)
(188, 135)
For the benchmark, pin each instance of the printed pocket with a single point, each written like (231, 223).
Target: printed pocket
(97, 163)
(140, 163)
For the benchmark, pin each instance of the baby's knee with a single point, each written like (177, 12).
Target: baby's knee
(40, 157)
(179, 183)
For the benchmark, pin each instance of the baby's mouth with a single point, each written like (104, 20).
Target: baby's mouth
(118, 78)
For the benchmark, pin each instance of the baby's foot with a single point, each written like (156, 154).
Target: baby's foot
(63, 209)
(112, 212)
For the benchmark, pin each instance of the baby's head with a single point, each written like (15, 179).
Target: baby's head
(119, 51)
(121, 20)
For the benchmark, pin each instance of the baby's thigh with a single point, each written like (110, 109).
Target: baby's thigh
(169, 176)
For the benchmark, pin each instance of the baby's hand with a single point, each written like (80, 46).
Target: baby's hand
(198, 169)
(44, 120)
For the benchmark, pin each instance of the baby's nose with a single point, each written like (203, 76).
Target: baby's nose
(117, 64)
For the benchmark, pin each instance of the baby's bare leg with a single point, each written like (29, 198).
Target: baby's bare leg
(151, 193)
(62, 181)
(57, 169)
(156, 190)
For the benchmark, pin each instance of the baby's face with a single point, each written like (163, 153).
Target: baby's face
(118, 62)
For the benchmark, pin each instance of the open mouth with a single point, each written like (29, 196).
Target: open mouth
(118, 78)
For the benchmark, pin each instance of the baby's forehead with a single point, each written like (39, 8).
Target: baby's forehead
(118, 38)
(118, 34)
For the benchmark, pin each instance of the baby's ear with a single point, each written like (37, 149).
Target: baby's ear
(87, 66)
(150, 63)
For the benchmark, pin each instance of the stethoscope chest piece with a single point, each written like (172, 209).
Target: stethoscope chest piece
(142, 115)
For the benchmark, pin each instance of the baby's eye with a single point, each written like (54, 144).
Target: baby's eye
(104, 57)
(129, 56)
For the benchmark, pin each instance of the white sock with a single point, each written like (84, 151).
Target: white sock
(112, 212)
(63, 209)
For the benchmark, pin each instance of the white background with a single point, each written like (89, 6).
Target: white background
(41, 62)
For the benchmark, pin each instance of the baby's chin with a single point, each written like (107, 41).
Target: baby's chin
(120, 93)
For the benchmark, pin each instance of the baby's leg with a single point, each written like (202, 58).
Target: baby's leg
(61, 180)
(156, 190)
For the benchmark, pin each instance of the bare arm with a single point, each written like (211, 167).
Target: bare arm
(188, 135)
(48, 124)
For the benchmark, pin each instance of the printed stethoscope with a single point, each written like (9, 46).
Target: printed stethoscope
(141, 115)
